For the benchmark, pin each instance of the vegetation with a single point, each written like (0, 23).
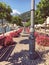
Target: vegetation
(27, 23)
(41, 12)
(5, 12)
(25, 16)
(17, 20)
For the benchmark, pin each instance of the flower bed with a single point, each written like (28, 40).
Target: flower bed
(2, 39)
(42, 39)
(19, 31)
(14, 34)
(36, 34)
(27, 30)
(8, 40)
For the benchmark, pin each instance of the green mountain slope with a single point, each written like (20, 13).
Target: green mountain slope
(25, 16)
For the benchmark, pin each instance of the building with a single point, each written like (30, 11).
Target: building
(47, 21)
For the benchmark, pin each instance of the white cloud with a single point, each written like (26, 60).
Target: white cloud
(15, 12)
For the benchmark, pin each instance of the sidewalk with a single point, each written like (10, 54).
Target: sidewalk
(20, 54)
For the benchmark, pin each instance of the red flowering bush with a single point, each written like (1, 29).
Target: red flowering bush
(19, 31)
(8, 40)
(42, 39)
(36, 34)
(47, 41)
(2, 39)
(14, 34)
(27, 30)
(1, 47)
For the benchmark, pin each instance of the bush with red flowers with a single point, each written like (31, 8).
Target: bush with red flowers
(36, 34)
(19, 31)
(8, 40)
(2, 39)
(42, 39)
(16, 33)
(27, 30)
(13, 34)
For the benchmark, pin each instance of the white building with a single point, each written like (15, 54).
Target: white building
(47, 21)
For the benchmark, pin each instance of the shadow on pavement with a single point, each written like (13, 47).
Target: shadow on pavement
(22, 58)
(6, 51)
(25, 41)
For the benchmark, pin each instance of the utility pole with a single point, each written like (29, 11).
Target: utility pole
(31, 37)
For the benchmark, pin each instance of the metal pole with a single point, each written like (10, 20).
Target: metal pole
(24, 27)
(31, 37)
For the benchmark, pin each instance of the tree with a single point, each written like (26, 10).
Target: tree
(8, 13)
(42, 11)
(5, 12)
(27, 23)
(16, 20)
(2, 11)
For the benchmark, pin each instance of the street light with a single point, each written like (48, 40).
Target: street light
(24, 21)
(31, 37)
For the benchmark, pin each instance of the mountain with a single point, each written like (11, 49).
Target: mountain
(15, 12)
(25, 16)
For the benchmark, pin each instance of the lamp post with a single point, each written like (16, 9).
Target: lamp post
(24, 21)
(31, 37)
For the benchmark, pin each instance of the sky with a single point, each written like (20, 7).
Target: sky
(19, 6)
